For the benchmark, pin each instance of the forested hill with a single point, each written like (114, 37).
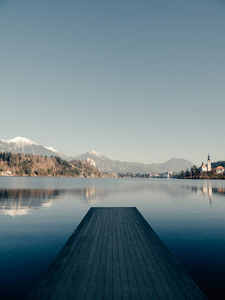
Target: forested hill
(38, 165)
(218, 163)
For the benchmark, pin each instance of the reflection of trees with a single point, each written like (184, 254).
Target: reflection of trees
(27, 194)
(22, 201)
(16, 202)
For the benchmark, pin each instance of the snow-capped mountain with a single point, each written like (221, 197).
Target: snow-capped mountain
(103, 163)
(52, 149)
(24, 145)
(18, 142)
(57, 153)
(92, 154)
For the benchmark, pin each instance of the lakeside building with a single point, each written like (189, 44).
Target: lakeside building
(220, 169)
(207, 167)
(203, 168)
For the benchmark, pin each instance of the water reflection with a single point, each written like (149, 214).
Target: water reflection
(207, 190)
(17, 202)
(39, 215)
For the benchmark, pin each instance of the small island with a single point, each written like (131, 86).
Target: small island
(215, 170)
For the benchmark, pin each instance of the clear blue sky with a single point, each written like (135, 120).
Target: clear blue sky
(135, 80)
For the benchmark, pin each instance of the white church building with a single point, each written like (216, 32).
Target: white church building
(207, 167)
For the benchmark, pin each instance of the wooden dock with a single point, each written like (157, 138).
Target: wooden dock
(115, 254)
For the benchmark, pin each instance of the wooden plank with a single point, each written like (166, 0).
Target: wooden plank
(108, 293)
(116, 264)
(75, 270)
(115, 254)
(73, 262)
(157, 272)
(90, 291)
(141, 287)
(164, 257)
(48, 281)
(134, 292)
(147, 289)
(125, 287)
(80, 286)
(154, 274)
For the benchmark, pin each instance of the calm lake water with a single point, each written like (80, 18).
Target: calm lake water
(38, 215)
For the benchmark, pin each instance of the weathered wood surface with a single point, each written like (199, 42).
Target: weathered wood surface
(115, 254)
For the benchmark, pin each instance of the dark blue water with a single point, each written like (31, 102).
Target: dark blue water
(37, 216)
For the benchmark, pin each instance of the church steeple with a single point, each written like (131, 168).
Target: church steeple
(209, 167)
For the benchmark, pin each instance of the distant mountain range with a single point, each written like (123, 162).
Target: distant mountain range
(103, 163)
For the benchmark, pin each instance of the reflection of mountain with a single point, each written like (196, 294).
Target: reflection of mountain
(20, 202)
(15, 202)
(16, 211)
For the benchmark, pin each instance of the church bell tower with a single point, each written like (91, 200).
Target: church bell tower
(209, 168)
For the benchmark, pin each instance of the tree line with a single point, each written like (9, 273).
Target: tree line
(39, 165)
